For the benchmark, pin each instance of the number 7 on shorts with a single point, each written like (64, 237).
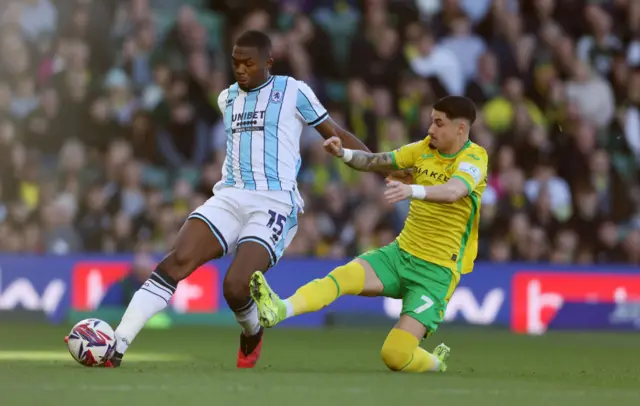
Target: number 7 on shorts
(426, 305)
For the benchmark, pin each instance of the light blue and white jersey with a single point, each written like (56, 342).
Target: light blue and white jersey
(263, 129)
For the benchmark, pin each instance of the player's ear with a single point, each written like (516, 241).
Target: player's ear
(269, 63)
(462, 126)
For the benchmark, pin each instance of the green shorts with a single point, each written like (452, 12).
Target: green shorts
(425, 288)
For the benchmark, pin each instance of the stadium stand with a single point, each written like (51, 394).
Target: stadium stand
(110, 133)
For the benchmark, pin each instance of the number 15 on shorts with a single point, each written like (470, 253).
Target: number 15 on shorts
(277, 221)
(426, 305)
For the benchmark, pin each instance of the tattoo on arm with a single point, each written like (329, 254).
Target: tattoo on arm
(368, 162)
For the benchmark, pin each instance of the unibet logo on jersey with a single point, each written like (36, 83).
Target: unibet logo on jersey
(263, 129)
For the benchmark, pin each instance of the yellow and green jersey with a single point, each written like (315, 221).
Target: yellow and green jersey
(444, 234)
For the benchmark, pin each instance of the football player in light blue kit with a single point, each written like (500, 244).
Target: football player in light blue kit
(256, 203)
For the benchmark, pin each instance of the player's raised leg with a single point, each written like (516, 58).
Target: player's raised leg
(250, 256)
(355, 278)
(271, 224)
(401, 350)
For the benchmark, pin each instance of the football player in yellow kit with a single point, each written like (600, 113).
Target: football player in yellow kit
(438, 243)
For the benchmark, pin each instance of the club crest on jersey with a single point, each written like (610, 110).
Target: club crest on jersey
(276, 96)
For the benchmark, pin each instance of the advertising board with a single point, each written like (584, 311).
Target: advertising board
(527, 299)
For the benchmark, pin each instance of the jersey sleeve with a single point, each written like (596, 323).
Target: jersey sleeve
(472, 169)
(405, 156)
(309, 108)
(222, 100)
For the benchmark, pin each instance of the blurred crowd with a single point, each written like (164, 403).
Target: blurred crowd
(110, 134)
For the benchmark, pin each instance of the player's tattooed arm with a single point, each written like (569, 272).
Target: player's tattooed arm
(337, 138)
(360, 160)
(368, 162)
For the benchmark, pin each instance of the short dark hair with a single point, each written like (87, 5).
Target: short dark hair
(457, 107)
(255, 39)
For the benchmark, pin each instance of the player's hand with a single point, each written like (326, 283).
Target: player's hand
(405, 176)
(397, 191)
(333, 146)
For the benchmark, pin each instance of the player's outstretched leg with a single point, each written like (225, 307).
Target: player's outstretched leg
(354, 278)
(194, 246)
(401, 350)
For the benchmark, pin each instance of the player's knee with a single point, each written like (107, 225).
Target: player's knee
(235, 290)
(394, 357)
(341, 272)
(397, 350)
(349, 278)
(178, 264)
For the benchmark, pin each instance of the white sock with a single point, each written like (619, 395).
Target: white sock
(247, 317)
(150, 299)
(289, 307)
(437, 361)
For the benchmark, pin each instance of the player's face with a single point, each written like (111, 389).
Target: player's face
(443, 131)
(250, 67)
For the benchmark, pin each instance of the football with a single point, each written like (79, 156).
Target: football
(91, 342)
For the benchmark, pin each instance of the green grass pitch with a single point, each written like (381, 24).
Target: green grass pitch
(196, 366)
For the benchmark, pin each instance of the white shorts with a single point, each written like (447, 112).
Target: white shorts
(235, 215)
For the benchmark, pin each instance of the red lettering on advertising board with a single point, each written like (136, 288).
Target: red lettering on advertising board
(537, 296)
(198, 293)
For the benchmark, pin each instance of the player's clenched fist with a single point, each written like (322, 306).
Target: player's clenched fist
(333, 146)
(397, 191)
(405, 176)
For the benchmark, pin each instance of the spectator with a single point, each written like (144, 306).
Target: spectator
(433, 61)
(598, 49)
(25, 100)
(592, 95)
(37, 17)
(466, 46)
(587, 215)
(101, 125)
(122, 102)
(128, 197)
(42, 125)
(484, 86)
(313, 38)
(500, 251)
(136, 55)
(542, 214)
(93, 219)
(632, 114)
(513, 199)
(537, 246)
(534, 148)
(631, 244)
(60, 237)
(566, 246)
(558, 191)
(360, 116)
(120, 293)
(609, 249)
(5, 99)
(184, 141)
(500, 112)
